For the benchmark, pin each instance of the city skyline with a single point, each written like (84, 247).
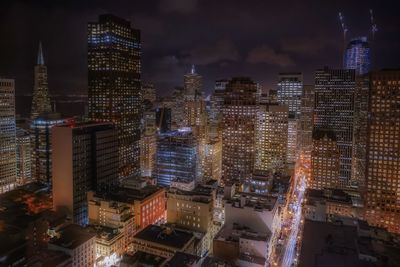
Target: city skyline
(285, 46)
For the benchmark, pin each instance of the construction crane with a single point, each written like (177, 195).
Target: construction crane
(374, 28)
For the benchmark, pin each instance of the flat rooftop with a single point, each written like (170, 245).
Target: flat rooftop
(165, 236)
(72, 236)
(183, 259)
(141, 258)
(129, 195)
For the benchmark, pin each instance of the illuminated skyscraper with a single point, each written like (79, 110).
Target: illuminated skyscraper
(217, 101)
(383, 150)
(271, 137)
(85, 157)
(176, 158)
(357, 56)
(42, 147)
(325, 158)
(334, 110)
(192, 84)
(239, 129)
(40, 99)
(114, 84)
(148, 143)
(304, 137)
(8, 166)
(289, 92)
(212, 166)
(24, 157)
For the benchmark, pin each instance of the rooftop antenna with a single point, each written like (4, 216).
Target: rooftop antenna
(374, 28)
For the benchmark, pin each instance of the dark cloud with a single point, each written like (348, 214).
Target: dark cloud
(268, 55)
(179, 6)
(223, 50)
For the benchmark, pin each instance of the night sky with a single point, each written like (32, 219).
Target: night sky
(224, 38)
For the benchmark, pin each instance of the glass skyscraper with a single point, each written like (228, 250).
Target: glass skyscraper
(177, 157)
(114, 85)
(357, 56)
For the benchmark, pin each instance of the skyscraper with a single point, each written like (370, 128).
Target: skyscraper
(176, 158)
(8, 166)
(289, 92)
(148, 143)
(239, 129)
(192, 84)
(271, 137)
(40, 99)
(85, 157)
(24, 157)
(41, 132)
(383, 151)
(114, 84)
(357, 56)
(217, 101)
(334, 110)
(304, 137)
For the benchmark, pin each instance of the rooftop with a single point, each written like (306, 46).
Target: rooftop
(141, 258)
(129, 195)
(72, 236)
(182, 259)
(165, 236)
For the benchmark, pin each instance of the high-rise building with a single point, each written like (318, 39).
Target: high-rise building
(149, 92)
(176, 157)
(325, 158)
(212, 166)
(85, 157)
(383, 151)
(357, 56)
(24, 157)
(192, 84)
(163, 119)
(217, 101)
(271, 137)
(8, 165)
(114, 84)
(289, 92)
(239, 128)
(40, 99)
(41, 132)
(304, 137)
(148, 143)
(334, 110)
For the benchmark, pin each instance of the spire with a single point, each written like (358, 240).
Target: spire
(40, 60)
(193, 70)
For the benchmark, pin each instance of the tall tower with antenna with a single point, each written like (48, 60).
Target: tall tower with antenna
(344, 29)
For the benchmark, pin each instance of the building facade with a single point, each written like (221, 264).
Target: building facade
(357, 56)
(8, 158)
(239, 129)
(114, 70)
(24, 157)
(177, 157)
(334, 110)
(272, 137)
(383, 151)
(85, 157)
(40, 98)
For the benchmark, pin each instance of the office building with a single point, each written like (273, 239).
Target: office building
(163, 119)
(271, 137)
(239, 129)
(176, 157)
(357, 56)
(41, 132)
(289, 92)
(148, 143)
(304, 137)
(114, 87)
(217, 101)
(383, 151)
(325, 161)
(193, 210)
(85, 157)
(149, 92)
(8, 163)
(212, 160)
(24, 157)
(334, 110)
(76, 242)
(40, 98)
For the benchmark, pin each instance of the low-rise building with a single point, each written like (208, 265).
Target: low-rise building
(164, 241)
(76, 242)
